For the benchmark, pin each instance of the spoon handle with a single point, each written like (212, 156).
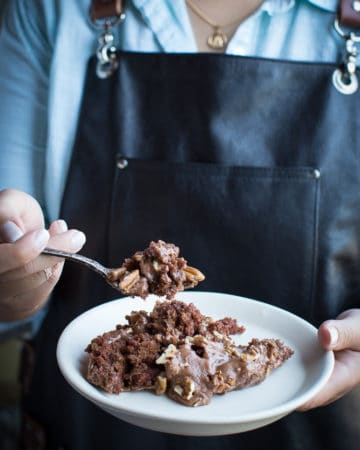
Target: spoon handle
(89, 263)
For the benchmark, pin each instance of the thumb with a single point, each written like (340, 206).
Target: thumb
(342, 333)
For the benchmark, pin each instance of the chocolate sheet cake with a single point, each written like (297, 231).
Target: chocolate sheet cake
(178, 351)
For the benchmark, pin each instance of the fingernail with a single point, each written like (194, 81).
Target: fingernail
(10, 232)
(78, 240)
(334, 336)
(41, 238)
(61, 226)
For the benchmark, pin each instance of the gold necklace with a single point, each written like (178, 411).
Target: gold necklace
(217, 40)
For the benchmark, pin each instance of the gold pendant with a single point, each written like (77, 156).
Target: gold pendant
(217, 40)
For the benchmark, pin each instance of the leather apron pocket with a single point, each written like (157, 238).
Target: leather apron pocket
(251, 230)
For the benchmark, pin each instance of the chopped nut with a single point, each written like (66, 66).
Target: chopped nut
(232, 351)
(167, 354)
(179, 390)
(273, 355)
(219, 382)
(200, 340)
(189, 387)
(230, 381)
(192, 276)
(252, 356)
(116, 274)
(194, 273)
(218, 335)
(161, 359)
(160, 385)
(219, 376)
(129, 280)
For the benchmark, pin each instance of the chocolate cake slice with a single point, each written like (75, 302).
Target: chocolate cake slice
(176, 350)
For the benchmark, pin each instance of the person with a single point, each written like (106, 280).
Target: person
(245, 154)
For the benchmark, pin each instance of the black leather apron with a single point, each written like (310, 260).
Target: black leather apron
(252, 167)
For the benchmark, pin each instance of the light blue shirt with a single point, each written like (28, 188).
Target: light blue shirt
(44, 48)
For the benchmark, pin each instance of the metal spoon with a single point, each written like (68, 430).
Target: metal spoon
(119, 278)
(105, 272)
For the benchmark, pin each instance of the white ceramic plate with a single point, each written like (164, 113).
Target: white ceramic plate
(288, 387)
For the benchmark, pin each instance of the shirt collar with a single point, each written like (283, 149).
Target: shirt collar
(328, 5)
(169, 20)
(280, 6)
(277, 6)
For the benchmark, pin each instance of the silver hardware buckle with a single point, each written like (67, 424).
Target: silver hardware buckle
(106, 51)
(345, 79)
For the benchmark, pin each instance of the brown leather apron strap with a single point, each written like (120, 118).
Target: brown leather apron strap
(349, 13)
(101, 9)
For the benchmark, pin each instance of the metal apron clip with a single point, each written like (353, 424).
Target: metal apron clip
(106, 50)
(344, 78)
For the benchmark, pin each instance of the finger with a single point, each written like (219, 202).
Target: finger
(10, 232)
(58, 227)
(71, 241)
(343, 333)
(345, 377)
(23, 250)
(14, 287)
(19, 307)
(22, 209)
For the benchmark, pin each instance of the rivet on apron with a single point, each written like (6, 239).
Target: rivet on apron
(316, 173)
(106, 52)
(121, 163)
(345, 83)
